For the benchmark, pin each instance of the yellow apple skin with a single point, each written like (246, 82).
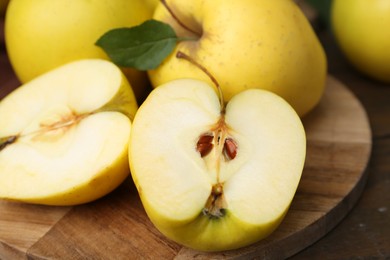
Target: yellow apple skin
(68, 192)
(360, 28)
(105, 182)
(152, 4)
(175, 183)
(43, 34)
(248, 44)
(187, 232)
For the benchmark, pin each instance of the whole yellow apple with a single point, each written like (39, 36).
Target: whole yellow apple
(246, 44)
(361, 30)
(43, 34)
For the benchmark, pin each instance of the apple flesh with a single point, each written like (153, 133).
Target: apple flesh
(249, 44)
(64, 135)
(214, 179)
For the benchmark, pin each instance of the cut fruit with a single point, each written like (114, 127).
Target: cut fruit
(215, 180)
(64, 135)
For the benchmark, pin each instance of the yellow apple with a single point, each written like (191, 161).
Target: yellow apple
(247, 44)
(152, 3)
(43, 34)
(361, 28)
(64, 135)
(213, 177)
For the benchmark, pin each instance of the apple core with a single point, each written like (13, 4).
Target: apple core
(214, 146)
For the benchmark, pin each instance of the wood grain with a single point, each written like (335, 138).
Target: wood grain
(22, 225)
(116, 226)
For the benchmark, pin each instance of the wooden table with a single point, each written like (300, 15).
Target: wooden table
(365, 231)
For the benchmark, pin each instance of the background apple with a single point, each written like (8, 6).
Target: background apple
(361, 30)
(64, 135)
(247, 44)
(43, 34)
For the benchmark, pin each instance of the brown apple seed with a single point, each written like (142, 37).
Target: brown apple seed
(205, 145)
(230, 148)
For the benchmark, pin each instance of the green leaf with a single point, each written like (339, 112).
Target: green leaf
(143, 47)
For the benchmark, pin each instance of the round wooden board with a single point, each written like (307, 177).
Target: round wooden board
(116, 226)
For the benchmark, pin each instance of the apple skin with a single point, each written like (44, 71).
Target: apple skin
(152, 4)
(240, 233)
(360, 28)
(102, 184)
(174, 182)
(21, 112)
(43, 34)
(247, 44)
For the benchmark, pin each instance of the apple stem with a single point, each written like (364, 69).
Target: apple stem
(164, 2)
(182, 55)
(4, 142)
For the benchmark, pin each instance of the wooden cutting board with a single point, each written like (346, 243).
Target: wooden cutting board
(116, 226)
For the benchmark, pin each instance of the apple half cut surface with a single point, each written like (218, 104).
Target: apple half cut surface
(64, 135)
(215, 179)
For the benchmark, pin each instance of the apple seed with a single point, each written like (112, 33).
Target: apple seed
(205, 145)
(230, 148)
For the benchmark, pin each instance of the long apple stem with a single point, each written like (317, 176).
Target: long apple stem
(182, 55)
(164, 2)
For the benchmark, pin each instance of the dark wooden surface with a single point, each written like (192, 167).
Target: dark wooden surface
(365, 231)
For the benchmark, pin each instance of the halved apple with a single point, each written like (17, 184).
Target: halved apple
(213, 177)
(64, 135)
